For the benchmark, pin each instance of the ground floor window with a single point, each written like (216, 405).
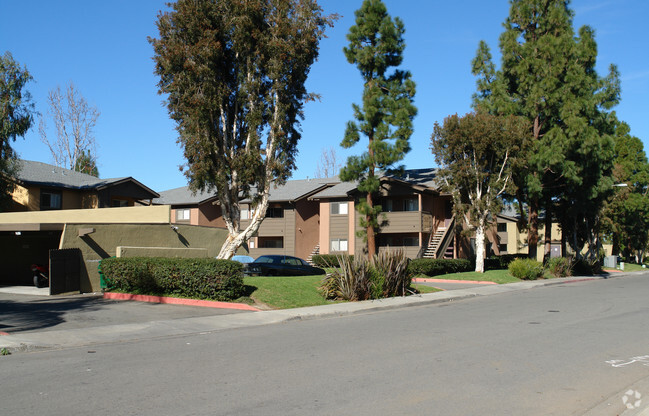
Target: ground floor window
(271, 242)
(339, 244)
(183, 214)
(399, 240)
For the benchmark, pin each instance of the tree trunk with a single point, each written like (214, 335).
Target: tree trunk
(547, 252)
(236, 237)
(533, 235)
(564, 243)
(371, 237)
(480, 246)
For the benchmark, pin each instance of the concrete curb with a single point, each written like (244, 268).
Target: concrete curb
(179, 301)
(179, 327)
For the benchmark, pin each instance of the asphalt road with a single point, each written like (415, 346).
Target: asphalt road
(20, 314)
(545, 351)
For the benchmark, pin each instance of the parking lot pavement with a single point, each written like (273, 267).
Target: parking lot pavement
(20, 314)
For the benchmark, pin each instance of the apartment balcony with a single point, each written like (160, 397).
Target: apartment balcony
(406, 222)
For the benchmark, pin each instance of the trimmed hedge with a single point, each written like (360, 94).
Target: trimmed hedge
(329, 260)
(192, 278)
(434, 267)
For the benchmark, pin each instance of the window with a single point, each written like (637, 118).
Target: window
(502, 248)
(183, 214)
(411, 241)
(502, 227)
(246, 213)
(120, 203)
(50, 200)
(271, 242)
(387, 205)
(275, 212)
(339, 244)
(411, 205)
(339, 208)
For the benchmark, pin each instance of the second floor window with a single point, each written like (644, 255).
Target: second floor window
(411, 205)
(274, 212)
(51, 200)
(339, 208)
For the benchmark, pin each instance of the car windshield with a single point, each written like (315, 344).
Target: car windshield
(264, 259)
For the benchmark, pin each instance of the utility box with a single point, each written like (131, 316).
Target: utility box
(610, 262)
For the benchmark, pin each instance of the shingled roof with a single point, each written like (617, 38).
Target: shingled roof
(291, 191)
(42, 174)
(183, 196)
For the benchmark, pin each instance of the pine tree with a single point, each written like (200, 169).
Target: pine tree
(376, 47)
(548, 76)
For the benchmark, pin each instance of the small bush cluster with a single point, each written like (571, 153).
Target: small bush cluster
(434, 267)
(192, 278)
(329, 260)
(502, 262)
(359, 279)
(583, 267)
(559, 266)
(526, 269)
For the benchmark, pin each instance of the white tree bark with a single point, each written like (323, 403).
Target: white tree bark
(480, 245)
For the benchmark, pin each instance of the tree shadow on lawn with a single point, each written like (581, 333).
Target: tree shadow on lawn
(18, 316)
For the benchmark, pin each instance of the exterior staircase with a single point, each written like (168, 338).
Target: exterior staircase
(316, 250)
(434, 243)
(442, 239)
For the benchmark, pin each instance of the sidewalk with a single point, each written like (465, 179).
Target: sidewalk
(199, 324)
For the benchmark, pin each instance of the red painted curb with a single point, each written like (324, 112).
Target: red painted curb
(477, 282)
(3, 333)
(179, 301)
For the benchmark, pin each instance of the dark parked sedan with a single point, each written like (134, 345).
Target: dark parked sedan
(281, 266)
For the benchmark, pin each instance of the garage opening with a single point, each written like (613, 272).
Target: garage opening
(20, 249)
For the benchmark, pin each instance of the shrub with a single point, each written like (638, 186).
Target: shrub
(526, 269)
(583, 267)
(329, 260)
(559, 266)
(434, 267)
(350, 281)
(502, 262)
(392, 269)
(359, 279)
(193, 278)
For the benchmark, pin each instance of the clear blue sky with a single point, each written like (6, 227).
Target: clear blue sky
(102, 47)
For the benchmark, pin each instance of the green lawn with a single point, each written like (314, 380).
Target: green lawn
(496, 276)
(285, 292)
(630, 267)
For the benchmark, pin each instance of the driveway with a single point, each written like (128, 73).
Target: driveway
(21, 313)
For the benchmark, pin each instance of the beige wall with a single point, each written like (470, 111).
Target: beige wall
(351, 237)
(325, 219)
(25, 199)
(105, 239)
(156, 214)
